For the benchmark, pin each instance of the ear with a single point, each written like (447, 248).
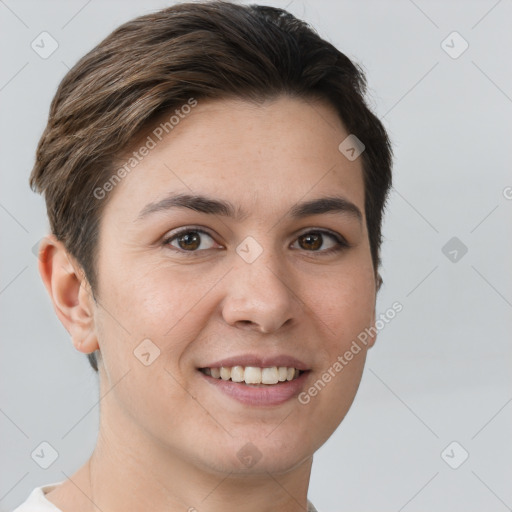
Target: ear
(70, 293)
(372, 338)
(379, 281)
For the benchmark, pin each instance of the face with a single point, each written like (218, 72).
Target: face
(259, 273)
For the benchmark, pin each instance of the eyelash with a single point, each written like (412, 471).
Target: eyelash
(341, 243)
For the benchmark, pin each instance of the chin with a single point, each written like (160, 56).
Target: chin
(258, 453)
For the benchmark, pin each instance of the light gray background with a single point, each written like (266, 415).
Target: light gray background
(440, 371)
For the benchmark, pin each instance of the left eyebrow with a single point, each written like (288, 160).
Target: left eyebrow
(203, 204)
(331, 204)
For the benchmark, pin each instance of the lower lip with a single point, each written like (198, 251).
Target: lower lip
(274, 394)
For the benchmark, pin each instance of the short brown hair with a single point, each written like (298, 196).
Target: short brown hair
(157, 62)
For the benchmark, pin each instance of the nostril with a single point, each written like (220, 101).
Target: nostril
(245, 322)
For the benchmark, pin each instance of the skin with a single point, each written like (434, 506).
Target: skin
(165, 434)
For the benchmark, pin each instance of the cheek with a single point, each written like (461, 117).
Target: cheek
(160, 303)
(152, 300)
(347, 310)
(147, 313)
(346, 303)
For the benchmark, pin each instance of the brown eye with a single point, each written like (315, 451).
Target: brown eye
(313, 241)
(190, 240)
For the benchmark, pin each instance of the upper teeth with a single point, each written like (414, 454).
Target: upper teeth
(252, 374)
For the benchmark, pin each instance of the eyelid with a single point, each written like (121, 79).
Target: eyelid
(325, 231)
(340, 240)
(185, 229)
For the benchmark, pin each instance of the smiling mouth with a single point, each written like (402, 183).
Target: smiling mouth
(254, 376)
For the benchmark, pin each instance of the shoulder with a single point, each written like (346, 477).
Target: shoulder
(37, 502)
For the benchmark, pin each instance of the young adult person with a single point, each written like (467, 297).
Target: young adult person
(215, 185)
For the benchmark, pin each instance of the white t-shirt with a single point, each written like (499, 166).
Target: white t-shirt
(37, 502)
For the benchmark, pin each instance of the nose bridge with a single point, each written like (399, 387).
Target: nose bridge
(259, 291)
(260, 260)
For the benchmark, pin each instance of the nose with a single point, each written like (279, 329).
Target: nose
(260, 296)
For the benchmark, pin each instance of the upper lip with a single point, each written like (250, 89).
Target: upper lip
(259, 362)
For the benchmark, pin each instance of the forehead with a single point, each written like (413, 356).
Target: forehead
(267, 155)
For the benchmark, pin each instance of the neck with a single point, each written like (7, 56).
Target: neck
(130, 471)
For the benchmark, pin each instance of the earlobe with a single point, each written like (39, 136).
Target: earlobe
(69, 292)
